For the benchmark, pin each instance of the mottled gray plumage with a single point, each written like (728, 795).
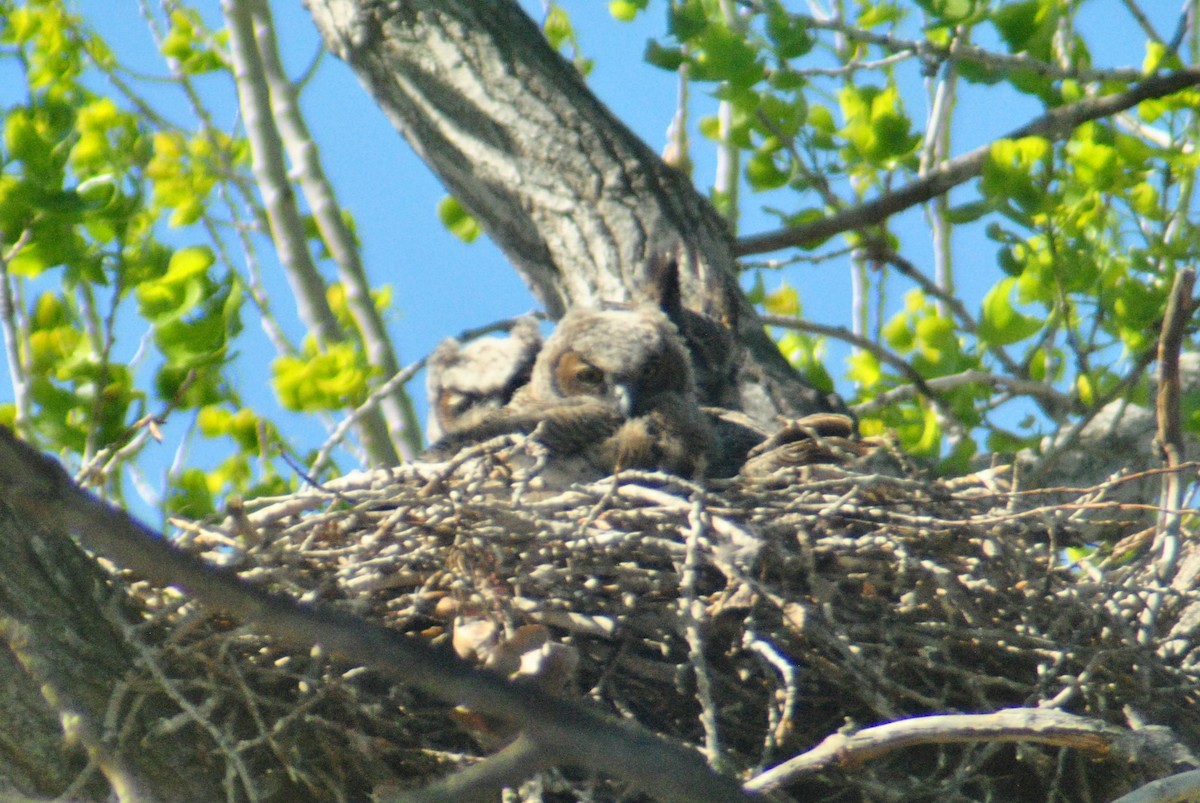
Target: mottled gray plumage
(464, 383)
(610, 389)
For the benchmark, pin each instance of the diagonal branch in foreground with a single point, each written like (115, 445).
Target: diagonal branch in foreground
(563, 732)
(1055, 124)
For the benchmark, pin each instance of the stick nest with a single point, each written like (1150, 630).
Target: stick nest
(752, 619)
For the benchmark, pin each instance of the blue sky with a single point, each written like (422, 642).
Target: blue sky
(441, 285)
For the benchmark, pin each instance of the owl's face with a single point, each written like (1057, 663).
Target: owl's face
(465, 382)
(626, 358)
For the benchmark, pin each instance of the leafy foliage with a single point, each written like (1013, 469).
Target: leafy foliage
(1087, 228)
(113, 218)
(131, 244)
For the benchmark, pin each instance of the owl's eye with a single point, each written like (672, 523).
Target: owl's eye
(453, 404)
(576, 376)
(589, 375)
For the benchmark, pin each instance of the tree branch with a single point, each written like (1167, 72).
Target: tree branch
(287, 230)
(1041, 726)
(397, 407)
(571, 734)
(1055, 124)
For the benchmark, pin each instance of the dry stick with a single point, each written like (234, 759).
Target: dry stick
(1170, 441)
(1173, 789)
(1056, 124)
(568, 733)
(1010, 725)
(508, 767)
(691, 614)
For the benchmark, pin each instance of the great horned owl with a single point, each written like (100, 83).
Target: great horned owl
(464, 383)
(610, 389)
(633, 363)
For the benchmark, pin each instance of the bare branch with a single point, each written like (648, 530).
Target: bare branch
(287, 229)
(1041, 726)
(397, 407)
(17, 370)
(990, 59)
(1056, 124)
(1042, 391)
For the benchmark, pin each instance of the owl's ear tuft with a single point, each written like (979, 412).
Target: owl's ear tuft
(663, 286)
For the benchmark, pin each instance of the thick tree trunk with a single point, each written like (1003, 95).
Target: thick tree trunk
(581, 206)
(62, 659)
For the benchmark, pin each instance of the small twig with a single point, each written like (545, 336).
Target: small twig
(1180, 788)
(1039, 726)
(691, 611)
(936, 52)
(779, 716)
(1042, 391)
(481, 781)
(845, 335)
(352, 418)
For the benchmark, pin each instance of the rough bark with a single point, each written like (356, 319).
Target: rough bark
(62, 655)
(581, 206)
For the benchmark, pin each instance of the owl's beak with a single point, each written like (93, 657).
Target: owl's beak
(623, 396)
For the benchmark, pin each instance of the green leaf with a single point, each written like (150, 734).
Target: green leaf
(948, 12)
(191, 497)
(557, 27)
(667, 58)
(1014, 170)
(787, 33)
(331, 380)
(784, 301)
(185, 285)
(723, 54)
(626, 10)
(763, 174)
(457, 220)
(1000, 323)
(686, 20)
(968, 212)
(1027, 26)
